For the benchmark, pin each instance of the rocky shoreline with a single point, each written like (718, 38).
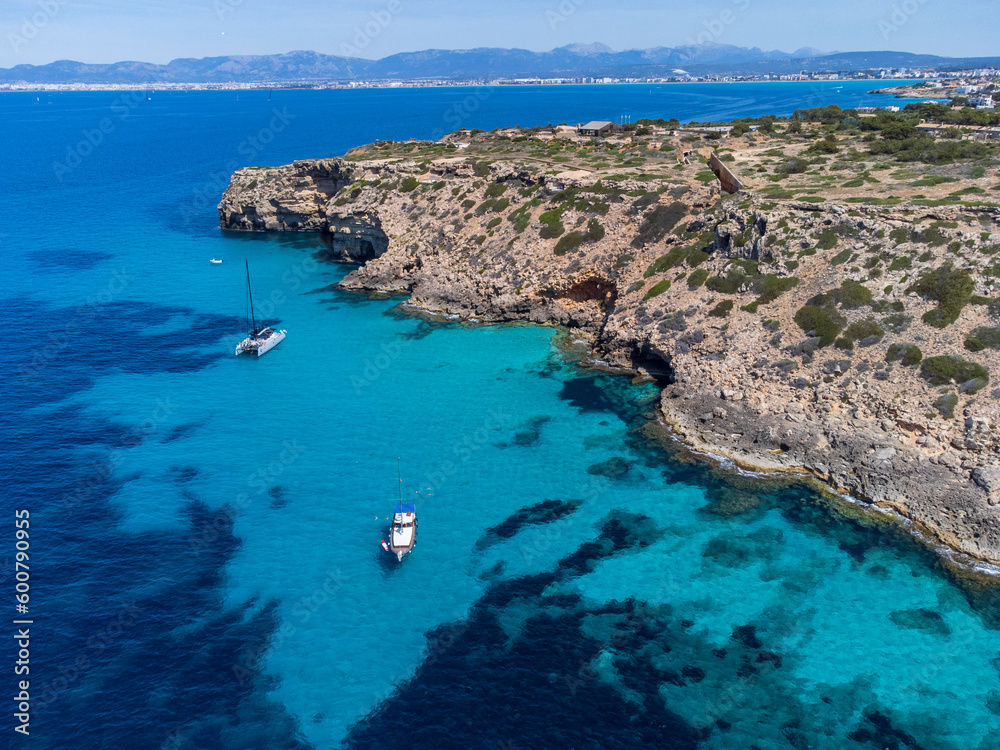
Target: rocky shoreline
(670, 278)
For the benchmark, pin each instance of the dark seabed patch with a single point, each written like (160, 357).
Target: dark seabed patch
(277, 495)
(43, 351)
(926, 620)
(146, 651)
(546, 511)
(74, 259)
(178, 432)
(503, 698)
(528, 433)
(613, 468)
(738, 550)
(183, 474)
(129, 633)
(587, 395)
(878, 732)
(579, 674)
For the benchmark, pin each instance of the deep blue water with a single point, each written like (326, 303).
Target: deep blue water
(206, 568)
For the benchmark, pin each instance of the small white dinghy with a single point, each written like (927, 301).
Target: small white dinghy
(215, 260)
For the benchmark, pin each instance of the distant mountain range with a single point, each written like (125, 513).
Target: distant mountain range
(575, 60)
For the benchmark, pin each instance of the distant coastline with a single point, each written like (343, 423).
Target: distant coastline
(299, 86)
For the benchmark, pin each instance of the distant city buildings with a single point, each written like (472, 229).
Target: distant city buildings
(978, 81)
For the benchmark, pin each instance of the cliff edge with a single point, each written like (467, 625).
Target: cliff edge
(825, 321)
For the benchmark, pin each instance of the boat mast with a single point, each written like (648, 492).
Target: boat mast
(250, 293)
(399, 476)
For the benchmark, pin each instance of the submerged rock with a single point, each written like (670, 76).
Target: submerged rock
(613, 468)
(926, 620)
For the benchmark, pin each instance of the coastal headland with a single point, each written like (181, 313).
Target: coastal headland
(838, 316)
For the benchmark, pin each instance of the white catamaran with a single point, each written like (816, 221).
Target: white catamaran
(260, 340)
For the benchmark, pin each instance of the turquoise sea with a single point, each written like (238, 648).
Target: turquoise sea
(205, 561)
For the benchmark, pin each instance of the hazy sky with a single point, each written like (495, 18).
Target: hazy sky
(40, 31)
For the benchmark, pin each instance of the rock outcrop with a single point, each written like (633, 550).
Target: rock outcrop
(282, 199)
(732, 304)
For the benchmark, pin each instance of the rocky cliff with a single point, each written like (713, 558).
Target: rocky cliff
(851, 341)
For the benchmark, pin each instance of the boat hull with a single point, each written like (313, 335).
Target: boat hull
(260, 346)
(403, 532)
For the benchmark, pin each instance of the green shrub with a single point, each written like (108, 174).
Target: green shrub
(697, 278)
(932, 180)
(943, 370)
(773, 287)
(496, 190)
(595, 230)
(900, 264)
(731, 283)
(672, 259)
(854, 294)
(824, 322)
(496, 205)
(827, 239)
(468, 203)
(865, 331)
(494, 222)
(900, 235)
(905, 354)
(842, 257)
(658, 223)
(568, 242)
(697, 257)
(722, 309)
(769, 286)
(850, 296)
(658, 289)
(408, 184)
(933, 235)
(983, 338)
(950, 287)
(552, 225)
(520, 221)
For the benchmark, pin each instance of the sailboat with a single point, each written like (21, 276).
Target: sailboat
(260, 340)
(403, 532)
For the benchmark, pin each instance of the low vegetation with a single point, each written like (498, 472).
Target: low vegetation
(905, 354)
(950, 287)
(658, 289)
(945, 370)
(658, 223)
